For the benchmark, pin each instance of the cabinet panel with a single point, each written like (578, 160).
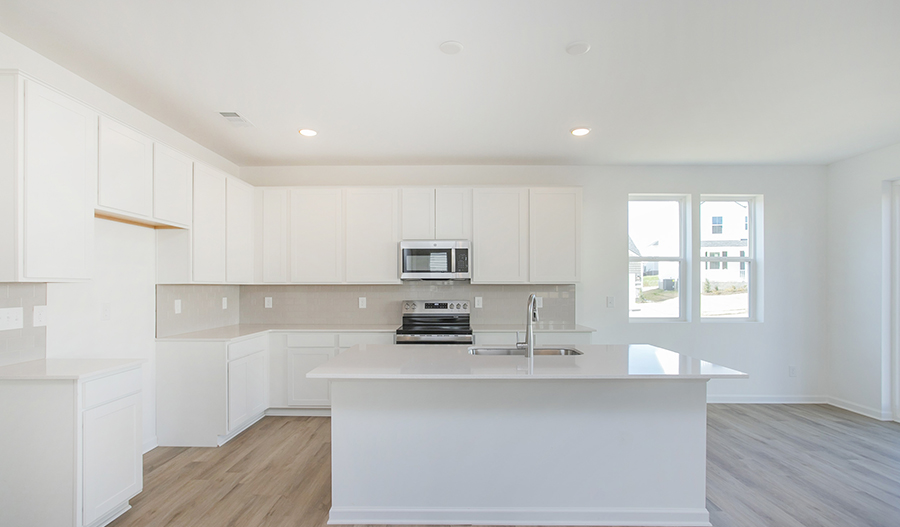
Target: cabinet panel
(60, 172)
(303, 391)
(112, 456)
(208, 236)
(239, 232)
(171, 185)
(317, 236)
(500, 235)
(417, 213)
(247, 388)
(453, 214)
(257, 385)
(373, 231)
(555, 235)
(274, 235)
(126, 169)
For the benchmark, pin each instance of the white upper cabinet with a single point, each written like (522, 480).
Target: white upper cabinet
(372, 222)
(317, 241)
(274, 235)
(47, 185)
(171, 185)
(209, 231)
(417, 213)
(239, 231)
(126, 169)
(555, 235)
(500, 235)
(453, 214)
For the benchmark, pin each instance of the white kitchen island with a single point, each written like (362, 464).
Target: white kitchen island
(434, 435)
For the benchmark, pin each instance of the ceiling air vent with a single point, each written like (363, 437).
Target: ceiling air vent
(235, 119)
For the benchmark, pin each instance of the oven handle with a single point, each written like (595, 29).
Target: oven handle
(425, 339)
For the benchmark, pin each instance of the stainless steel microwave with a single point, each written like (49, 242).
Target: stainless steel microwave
(435, 260)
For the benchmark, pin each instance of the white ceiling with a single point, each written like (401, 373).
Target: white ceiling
(666, 81)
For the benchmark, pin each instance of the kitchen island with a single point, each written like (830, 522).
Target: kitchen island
(434, 435)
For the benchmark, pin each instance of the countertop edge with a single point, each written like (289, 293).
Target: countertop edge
(101, 370)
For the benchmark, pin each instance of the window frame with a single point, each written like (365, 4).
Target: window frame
(750, 259)
(683, 259)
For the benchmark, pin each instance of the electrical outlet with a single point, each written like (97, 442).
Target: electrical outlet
(268, 302)
(539, 301)
(792, 371)
(224, 302)
(478, 303)
(40, 316)
(362, 302)
(610, 301)
(105, 312)
(178, 307)
(11, 318)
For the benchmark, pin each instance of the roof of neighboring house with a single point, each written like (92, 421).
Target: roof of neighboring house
(724, 243)
(632, 248)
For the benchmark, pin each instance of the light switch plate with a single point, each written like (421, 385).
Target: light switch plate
(224, 302)
(362, 302)
(478, 303)
(268, 302)
(178, 307)
(610, 301)
(105, 312)
(40, 316)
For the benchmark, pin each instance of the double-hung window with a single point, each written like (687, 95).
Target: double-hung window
(727, 256)
(656, 256)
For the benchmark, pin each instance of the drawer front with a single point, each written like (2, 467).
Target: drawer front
(549, 339)
(111, 387)
(495, 339)
(247, 347)
(352, 339)
(311, 340)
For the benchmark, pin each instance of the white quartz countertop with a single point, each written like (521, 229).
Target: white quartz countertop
(66, 369)
(246, 330)
(625, 361)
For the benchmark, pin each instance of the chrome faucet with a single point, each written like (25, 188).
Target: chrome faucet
(532, 317)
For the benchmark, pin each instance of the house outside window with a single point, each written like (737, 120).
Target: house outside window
(656, 254)
(725, 290)
(717, 225)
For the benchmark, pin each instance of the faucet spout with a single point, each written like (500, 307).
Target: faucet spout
(531, 318)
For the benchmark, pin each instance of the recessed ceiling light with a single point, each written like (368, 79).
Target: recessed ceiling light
(451, 47)
(578, 132)
(306, 132)
(578, 48)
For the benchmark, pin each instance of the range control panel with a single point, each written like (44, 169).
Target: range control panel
(437, 307)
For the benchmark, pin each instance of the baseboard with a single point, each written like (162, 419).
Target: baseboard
(226, 438)
(766, 399)
(108, 518)
(860, 409)
(299, 412)
(649, 517)
(150, 444)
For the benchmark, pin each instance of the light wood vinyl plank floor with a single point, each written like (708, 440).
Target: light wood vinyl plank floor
(767, 465)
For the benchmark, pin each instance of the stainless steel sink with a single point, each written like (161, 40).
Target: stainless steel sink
(520, 351)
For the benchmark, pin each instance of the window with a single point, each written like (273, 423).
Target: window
(656, 248)
(725, 290)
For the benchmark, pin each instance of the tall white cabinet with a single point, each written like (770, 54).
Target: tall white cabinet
(209, 234)
(500, 235)
(436, 213)
(317, 237)
(555, 235)
(372, 218)
(126, 169)
(48, 174)
(238, 231)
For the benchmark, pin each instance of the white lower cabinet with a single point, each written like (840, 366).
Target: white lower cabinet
(303, 391)
(247, 390)
(70, 451)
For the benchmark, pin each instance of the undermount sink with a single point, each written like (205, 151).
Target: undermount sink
(521, 351)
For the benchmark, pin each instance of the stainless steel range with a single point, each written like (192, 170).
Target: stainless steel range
(435, 322)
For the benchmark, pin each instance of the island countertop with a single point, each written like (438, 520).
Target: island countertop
(614, 361)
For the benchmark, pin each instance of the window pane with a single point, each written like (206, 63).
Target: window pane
(654, 289)
(723, 224)
(724, 292)
(654, 228)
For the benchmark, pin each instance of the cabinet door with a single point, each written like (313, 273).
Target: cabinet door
(208, 232)
(453, 214)
(171, 185)
(257, 385)
(317, 236)
(373, 232)
(126, 169)
(499, 235)
(112, 456)
(247, 397)
(555, 235)
(274, 235)
(60, 185)
(239, 231)
(303, 391)
(417, 213)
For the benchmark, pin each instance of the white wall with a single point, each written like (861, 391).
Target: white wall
(859, 359)
(124, 278)
(793, 332)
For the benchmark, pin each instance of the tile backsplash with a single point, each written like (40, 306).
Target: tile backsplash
(27, 343)
(339, 304)
(201, 308)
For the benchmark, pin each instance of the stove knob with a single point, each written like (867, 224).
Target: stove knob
(413, 305)
(465, 306)
(406, 306)
(457, 306)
